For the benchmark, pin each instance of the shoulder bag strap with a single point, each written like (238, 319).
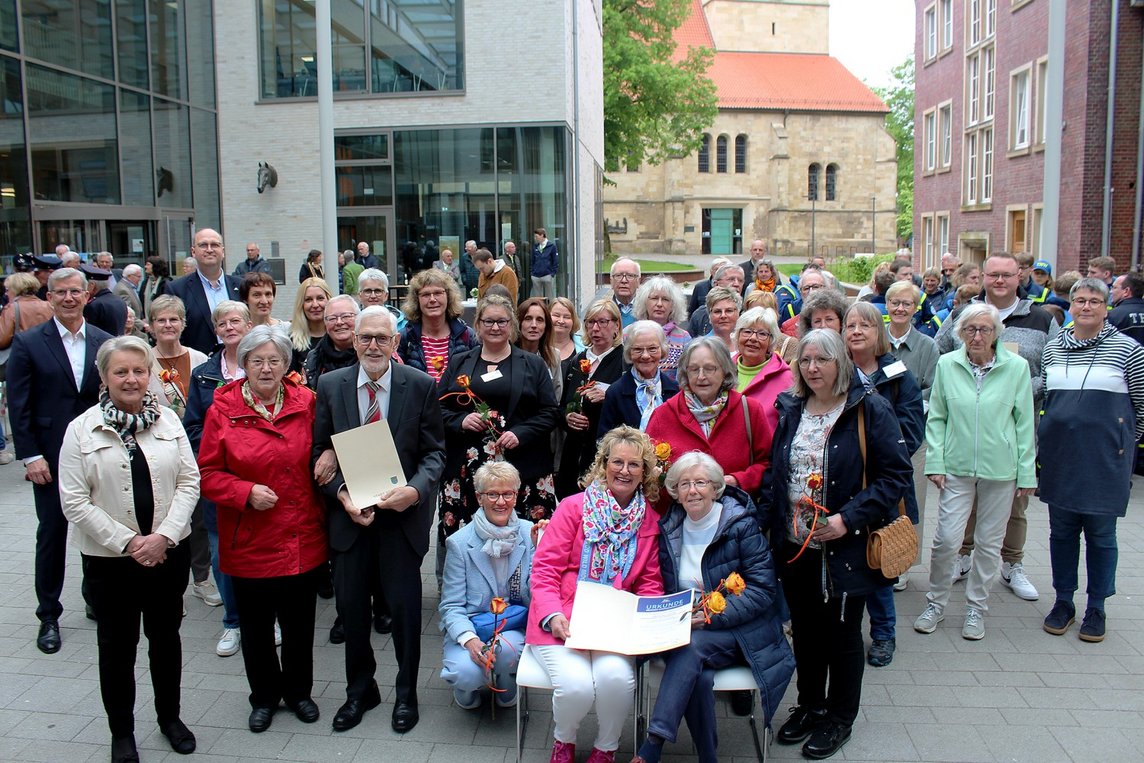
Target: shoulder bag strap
(862, 450)
(16, 311)
(750, 437)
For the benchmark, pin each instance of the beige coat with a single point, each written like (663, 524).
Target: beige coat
(95, 482)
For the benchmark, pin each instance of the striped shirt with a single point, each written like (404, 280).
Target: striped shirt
(1110, 362)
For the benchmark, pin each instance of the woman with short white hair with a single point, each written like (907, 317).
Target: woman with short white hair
(660, 299)
(646, 386)
(761, 372)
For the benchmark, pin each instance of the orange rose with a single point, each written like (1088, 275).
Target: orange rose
(716, 603)
(662, 451)
(814, 481)
(498, 606)
(463, 380)
(735, 584)
(437, 362)
(585, 366)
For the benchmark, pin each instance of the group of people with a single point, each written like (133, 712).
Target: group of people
(765, 432)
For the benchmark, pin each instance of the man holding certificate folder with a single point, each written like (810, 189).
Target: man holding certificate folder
(387, 539)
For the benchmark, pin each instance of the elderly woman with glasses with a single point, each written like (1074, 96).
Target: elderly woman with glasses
(646, 386)
(128, 482)
(336, 349)
(761, 373)
(709, 416)
(660, 299)
(824, 495)
(605, 535)
(491, 557)
(711, 531)
(586, 381)
(255, 462)
(514, 390)
(979, 451)
(724, 306)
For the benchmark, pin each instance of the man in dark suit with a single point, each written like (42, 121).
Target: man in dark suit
(203, 290)
(387, 540)
(103, 310)
(52, 379)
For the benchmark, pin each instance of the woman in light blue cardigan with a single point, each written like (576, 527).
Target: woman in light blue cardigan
(487, 558)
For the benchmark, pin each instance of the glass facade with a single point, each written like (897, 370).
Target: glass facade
(117, 100)
(379, 46)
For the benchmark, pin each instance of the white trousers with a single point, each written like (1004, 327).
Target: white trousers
(994, 501)
(581, 678)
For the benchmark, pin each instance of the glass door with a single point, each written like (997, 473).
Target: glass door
(375, 227)
(131, 241)
(175, 235)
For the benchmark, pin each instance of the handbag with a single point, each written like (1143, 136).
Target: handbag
(893, 548)
(8, 350)
(514, 617)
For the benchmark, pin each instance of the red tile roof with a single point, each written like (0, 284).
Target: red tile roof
(694, 32)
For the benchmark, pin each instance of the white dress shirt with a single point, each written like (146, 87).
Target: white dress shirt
(75, 345)
(386, 382)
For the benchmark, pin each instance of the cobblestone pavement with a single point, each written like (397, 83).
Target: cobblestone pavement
(1020, 694)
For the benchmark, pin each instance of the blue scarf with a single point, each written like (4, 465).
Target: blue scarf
(649, 396)
(609, 535)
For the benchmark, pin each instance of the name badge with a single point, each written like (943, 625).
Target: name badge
(894, 369)
(491, 376)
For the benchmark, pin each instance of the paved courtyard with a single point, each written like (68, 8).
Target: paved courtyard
(1018, 695)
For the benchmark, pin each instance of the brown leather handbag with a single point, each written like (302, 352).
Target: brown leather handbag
(893, 548)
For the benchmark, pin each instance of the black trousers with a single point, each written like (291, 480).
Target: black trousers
(827, 638)
(51, 549)
(200, 545)
(122, 592)
(381, 553)
(291, 600)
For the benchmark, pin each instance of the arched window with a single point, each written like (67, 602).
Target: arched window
(705, 154)
(812, 182)
(740, 153)
(721, 154)
(832, 182)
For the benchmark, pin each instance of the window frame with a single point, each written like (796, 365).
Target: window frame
(941, 237)
(945, 136)
(945, 17)
(703, 163)
(929, 32)
(1021, 109)
(969, 186)
(721, 155)
(1040, 95)
(830, 182)
(741, 142)
(813, 178)
(929, 141)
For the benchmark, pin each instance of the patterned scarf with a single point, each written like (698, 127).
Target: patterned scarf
(499, 541)
(649, 396)
(256, 404)
(609, 535)
(705, 414)
(127, 424)
(767, 285)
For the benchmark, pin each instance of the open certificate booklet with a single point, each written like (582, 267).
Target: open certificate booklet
(610, 620)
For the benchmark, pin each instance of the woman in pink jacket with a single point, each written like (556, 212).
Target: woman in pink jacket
(761, 372)
(608, 535)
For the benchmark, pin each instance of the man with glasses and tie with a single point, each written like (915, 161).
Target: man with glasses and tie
(381, 544)
(1027, 327)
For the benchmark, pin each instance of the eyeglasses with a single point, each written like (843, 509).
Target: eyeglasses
(372, 292)
(903, 303)
(341, 318)
(639, 351)
(624, 276)
(1081, 302)
(436, 293)
(489, 323)
(1000, 276)
(209, 245)
(508, 496)
(365, 340)
(704, 371)
(620, 465)
(978, 330)
(816, 362)
(264, 362)
(804, 288)
(697, 484)
(754, 334)
(600, 321)
(67, 292)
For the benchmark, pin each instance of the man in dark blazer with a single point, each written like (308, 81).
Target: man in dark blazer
(203, 290)
(103, 310)
(50, 382)
(390, 538)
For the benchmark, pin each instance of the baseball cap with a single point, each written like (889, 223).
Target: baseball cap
(1043, 265)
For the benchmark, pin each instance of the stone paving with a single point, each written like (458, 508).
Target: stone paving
(1020, 694)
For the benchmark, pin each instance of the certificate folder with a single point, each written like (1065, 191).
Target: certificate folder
(369, 462)
(610, 620)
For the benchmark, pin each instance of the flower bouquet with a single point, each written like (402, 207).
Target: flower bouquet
(577, 404)
(715, 602)
(494, 422)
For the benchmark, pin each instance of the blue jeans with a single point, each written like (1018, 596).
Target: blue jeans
(687, 689)
(1100, 553)
(222, 580)
(880, 605)
(3, 438)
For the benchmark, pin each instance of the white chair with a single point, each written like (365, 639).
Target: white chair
(531, 674)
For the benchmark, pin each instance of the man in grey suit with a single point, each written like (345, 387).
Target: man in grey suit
(388, 540)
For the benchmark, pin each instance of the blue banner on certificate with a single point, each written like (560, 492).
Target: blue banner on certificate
(610, 620)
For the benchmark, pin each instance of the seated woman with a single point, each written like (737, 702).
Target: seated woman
(489, 557)
(646, 386)
(605, 535)
(711, 531)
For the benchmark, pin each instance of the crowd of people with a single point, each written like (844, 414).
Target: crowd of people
(758, 435)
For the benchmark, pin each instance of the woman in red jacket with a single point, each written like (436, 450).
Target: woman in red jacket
(255, 465)
(709, 416)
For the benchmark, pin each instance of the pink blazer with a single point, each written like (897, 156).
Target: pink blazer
(775, 377)
(556, 566)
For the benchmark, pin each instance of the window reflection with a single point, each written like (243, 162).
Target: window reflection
(71, 33)
(172, 154)
(131, 35)
(15, 231)
(168, 49)
(135, 140)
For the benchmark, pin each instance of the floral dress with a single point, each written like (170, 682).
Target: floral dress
(807, 467)
(537, 497)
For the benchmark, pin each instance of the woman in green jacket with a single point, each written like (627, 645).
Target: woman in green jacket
(980, 446)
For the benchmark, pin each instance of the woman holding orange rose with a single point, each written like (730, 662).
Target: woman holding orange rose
(710, 540)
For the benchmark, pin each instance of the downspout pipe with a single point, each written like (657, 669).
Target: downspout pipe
(1136, 221)
(1109, 128)
(326, 141)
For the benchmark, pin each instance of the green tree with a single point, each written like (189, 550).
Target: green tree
(655, 104)
(899, 97)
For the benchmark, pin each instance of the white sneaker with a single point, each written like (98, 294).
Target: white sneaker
(229, 643)
(277, 634)
(927, 621)
(208, 593)
(903, 581)
(507, 699)
(467, 700)
(961, 567)
(6, 457)
(974, 628)
(1014, 577)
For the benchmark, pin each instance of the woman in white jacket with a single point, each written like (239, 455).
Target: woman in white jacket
(128, 482)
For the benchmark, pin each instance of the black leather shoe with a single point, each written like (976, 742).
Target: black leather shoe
(337, 633)
(826, 741)
(181, 739)
(383, 624)
(350, 714)
(404, 716)
(89, 611)
(742, 702)
(123, 750)
(260, 718)
(305, 709)
(802, 723)
(49, 639)
(326, 590)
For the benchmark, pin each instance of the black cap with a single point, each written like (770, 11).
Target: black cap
(46, 261)
(95, 274)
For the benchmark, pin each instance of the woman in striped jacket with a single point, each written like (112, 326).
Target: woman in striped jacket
(1094, 404)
